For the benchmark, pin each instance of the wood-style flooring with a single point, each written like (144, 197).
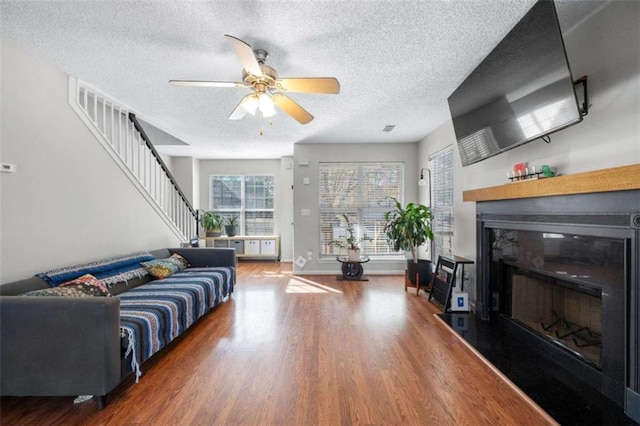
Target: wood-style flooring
(310, 350)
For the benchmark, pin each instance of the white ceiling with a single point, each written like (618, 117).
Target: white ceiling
(397, 61)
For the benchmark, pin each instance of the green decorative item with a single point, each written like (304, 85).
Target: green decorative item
(408, 228)
(231, 226)
(212, 223)
(351, 241)
(547, 172)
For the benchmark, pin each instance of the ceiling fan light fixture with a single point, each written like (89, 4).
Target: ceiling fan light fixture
(251, 105)
(267, 85)
(265, 102)
(268, 112)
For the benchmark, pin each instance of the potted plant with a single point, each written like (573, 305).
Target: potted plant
(212, 223)
(408, 228)
(350, 242)
(231, 226)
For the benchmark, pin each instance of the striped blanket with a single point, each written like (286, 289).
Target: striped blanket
(108, 271)
(154, 314)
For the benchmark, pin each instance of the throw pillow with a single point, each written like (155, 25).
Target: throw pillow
(160, 268)
(179, 261)
(84, 286)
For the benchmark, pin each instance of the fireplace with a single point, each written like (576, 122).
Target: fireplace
(563, 272)
(568, 316)
(566, 285)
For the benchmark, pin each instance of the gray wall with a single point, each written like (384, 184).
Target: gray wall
(605, 48)
(280, 169)
(69, 202)
(307, 228)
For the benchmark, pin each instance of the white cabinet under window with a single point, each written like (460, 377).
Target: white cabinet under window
(250, 246)
(268, 247)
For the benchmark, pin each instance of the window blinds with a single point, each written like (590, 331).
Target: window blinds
(360, 190)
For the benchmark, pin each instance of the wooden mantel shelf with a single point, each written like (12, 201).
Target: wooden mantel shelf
(623, 178)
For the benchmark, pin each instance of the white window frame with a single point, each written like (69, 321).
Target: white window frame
(358, 212)
(442, 221)
(243, 210)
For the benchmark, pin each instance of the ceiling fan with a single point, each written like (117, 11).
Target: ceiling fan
(267, 86)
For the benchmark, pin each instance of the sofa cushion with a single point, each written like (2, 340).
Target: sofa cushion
(160, 268)
(84, 286)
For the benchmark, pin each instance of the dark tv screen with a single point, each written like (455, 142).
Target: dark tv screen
(521, 91)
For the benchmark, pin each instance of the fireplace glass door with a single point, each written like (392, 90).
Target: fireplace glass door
(555, 284)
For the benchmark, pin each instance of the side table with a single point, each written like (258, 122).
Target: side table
(352, 270)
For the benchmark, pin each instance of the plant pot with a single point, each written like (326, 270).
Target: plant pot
(231, 230)
(424, 268)
(353, 254)
(215, 233)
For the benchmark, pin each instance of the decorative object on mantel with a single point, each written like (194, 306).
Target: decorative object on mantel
(623, 178)
(521, 172)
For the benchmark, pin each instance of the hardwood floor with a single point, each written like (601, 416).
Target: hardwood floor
(307, 350)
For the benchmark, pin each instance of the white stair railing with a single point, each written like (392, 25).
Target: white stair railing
(117, 129)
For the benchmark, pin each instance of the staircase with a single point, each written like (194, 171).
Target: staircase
(117, 129)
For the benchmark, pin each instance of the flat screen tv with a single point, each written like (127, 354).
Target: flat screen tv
(523, 90)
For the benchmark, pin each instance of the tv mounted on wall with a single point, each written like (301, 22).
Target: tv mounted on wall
(523, 90)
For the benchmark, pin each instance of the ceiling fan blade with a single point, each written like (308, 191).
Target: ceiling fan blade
(195, 83)
(240, 110)
(310, 85)
(286, 104)
(245, 54)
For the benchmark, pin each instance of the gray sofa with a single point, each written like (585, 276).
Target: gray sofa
(62, 346)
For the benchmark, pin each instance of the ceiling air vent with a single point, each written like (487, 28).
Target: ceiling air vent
(389, 127)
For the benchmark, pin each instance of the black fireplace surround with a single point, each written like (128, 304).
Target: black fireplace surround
(564, 271)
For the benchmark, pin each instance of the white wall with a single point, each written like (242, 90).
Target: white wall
(283, 193)
(183, 170)
(167, 159)
(307, 228)
(284, 205)
(68, 202)
(605, 48)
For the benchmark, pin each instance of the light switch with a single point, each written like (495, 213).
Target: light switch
(305, 180)
(305, 212)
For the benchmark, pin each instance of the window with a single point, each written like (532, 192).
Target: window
(441, 166)
(360, 191)
(250, 198)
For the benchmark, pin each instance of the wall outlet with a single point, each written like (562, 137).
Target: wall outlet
(8, 168)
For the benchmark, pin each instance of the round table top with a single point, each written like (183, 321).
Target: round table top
(345, 259)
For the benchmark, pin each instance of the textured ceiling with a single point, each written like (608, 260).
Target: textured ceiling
(397, 61)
